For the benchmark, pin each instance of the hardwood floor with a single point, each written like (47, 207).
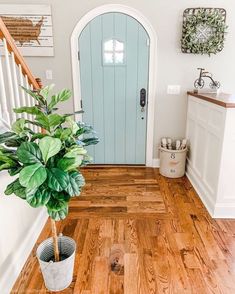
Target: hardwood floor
(138, 232)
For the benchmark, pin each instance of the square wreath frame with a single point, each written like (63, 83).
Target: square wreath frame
(193, 11)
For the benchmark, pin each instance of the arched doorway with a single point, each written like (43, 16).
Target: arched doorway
(114, 48)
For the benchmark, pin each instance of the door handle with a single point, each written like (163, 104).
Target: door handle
(142, 97)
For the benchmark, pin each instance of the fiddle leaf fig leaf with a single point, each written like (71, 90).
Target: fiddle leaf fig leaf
(16, 142)
(15, 170)
(55, 119)
(57, 179)
(38, 136)
(40, 198)
(42, 120)
(76, 151)
(49, 147)
(73, 125)
(90, 141)
(67, 164)
(59, 214)
(62, 96)
(33, 176)
(16, 188)
(18, 126)
(46, 90)
(7, 136)
(33, 94)
(76, 182)
(87, 159)
(57, 203)
(29, 153)
(65, 197)
(26, 109)
(6, 161)
(64, 134)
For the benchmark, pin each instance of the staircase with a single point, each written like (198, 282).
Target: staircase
(14, 73)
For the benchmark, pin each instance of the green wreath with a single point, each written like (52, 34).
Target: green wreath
(211, 20)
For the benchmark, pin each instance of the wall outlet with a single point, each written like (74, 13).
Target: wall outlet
(49, 75)
(173, 89)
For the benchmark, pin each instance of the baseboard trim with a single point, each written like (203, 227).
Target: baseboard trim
(216, 210)
(223, 210)
(10, 275)
(156, 162)
(202, 193)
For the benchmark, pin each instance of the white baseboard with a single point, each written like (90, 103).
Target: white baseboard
(201, 191)
(156, 162)
(223, 210)
(10, 275)
(216, 210)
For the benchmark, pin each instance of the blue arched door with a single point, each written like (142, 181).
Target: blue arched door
(114, 57)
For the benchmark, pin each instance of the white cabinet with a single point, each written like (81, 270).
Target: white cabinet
(211, 159)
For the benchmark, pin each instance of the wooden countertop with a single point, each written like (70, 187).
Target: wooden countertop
(222, 99)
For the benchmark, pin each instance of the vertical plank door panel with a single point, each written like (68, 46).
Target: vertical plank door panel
(86, 79)
(111, 92)
(141, 117)
(131, 90)
(109, 84)
(97, 84)
(120, 93)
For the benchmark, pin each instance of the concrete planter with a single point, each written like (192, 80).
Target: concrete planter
(57, 275)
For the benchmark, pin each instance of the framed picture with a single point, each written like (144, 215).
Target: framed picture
(31, 28)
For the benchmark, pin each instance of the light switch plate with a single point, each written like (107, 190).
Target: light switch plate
(49, 74)
(173, 89)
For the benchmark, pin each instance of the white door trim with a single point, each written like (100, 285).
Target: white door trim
(152, 64)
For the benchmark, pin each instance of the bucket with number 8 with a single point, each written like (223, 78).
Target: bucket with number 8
(172, 162)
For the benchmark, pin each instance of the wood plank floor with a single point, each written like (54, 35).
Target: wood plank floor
(140, 233)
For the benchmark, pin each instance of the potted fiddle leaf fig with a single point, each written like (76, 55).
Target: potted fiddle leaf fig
(46, 166)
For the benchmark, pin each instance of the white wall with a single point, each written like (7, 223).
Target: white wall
(20, 226)
(174, 67)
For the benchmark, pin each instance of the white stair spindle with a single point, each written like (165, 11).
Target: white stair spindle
(15, 82)
(23, 98)
(23, 94)
(3, 101)
(10, 82)
(35, 128)
(28, 98)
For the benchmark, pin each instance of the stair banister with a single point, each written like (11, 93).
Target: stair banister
(14, 72)
(4, 34)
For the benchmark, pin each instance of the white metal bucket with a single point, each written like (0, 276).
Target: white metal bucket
(57, 275)
(172, 162)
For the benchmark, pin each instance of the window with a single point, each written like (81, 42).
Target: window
(113, 52)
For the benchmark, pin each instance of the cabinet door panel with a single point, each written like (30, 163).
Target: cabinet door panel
(201, 139)
(212, 163)
(216, 121)
(191, 139)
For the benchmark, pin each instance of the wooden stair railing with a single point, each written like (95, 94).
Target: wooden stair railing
(14, 72)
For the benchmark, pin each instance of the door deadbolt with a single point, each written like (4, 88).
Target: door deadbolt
(142, 97)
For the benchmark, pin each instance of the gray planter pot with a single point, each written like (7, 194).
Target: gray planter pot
(57, 275)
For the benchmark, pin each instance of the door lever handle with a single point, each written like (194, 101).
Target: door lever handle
(142, 97)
